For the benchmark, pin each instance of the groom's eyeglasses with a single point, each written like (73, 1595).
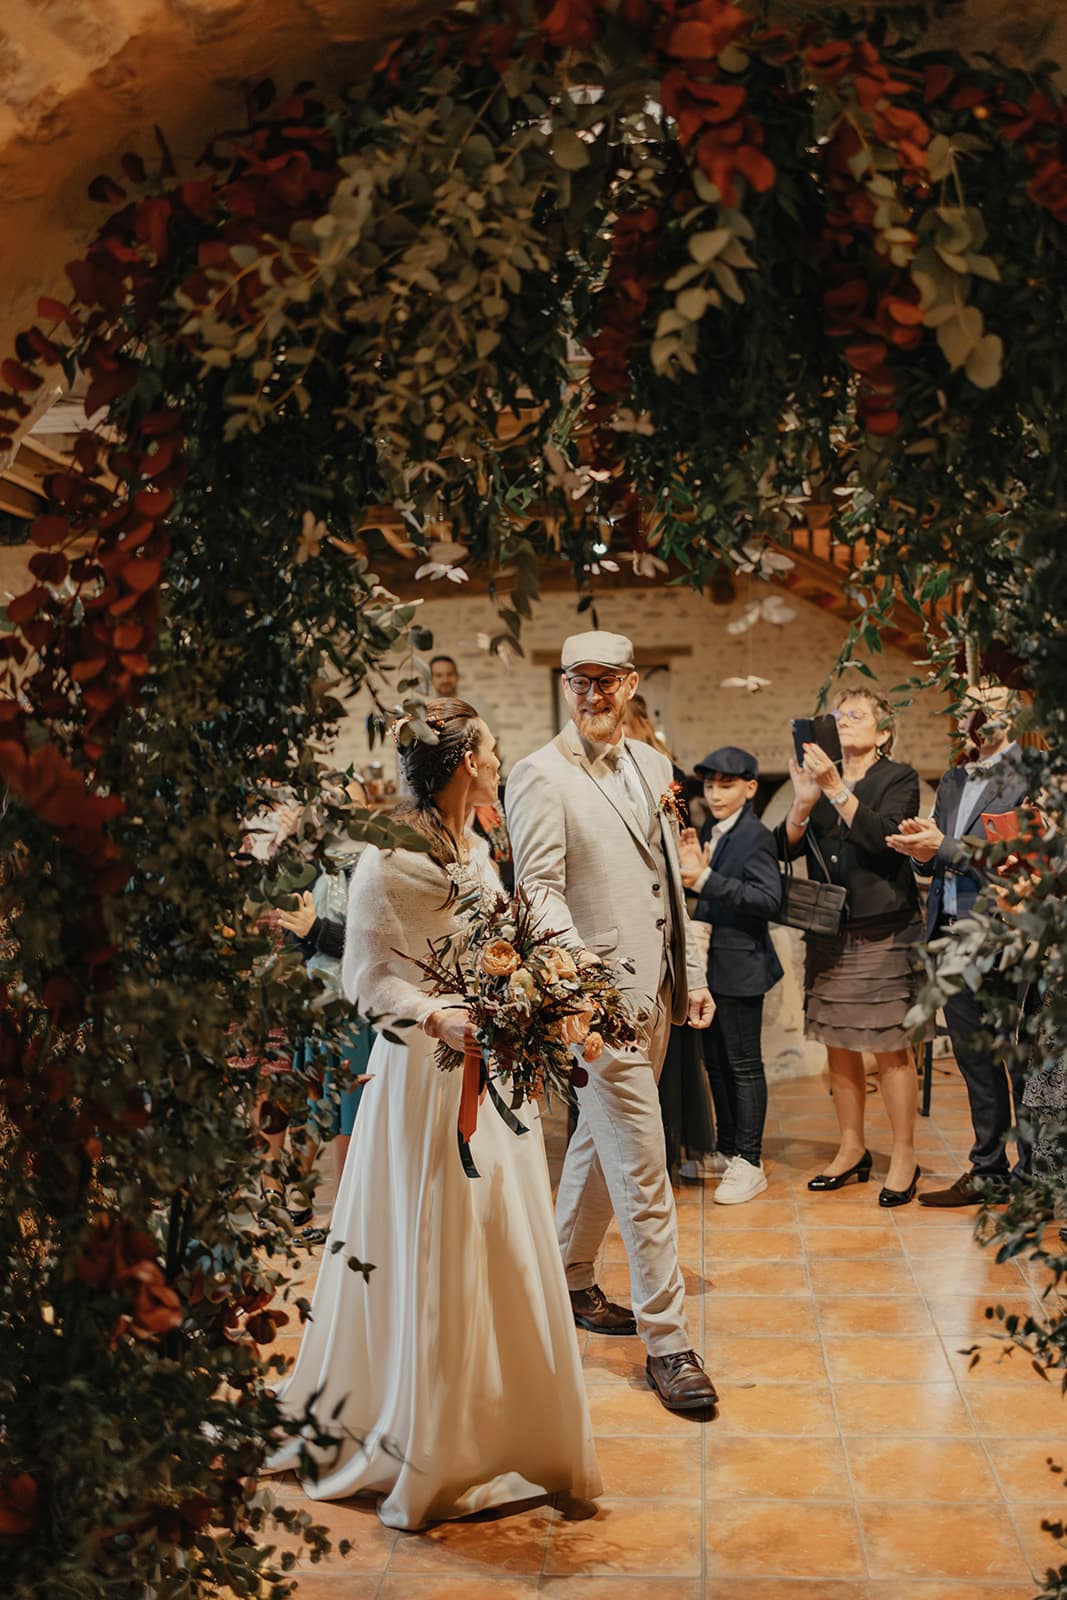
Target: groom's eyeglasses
(607, 683)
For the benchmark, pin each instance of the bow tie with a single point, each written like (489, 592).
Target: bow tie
(975, 769)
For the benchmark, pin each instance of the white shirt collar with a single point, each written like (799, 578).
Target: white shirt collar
(994, 760)
(728, 822)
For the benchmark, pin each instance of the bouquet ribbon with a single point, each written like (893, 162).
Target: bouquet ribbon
(470, 1094)
(475, 1085)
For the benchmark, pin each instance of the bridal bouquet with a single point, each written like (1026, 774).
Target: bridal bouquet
(538, 1017)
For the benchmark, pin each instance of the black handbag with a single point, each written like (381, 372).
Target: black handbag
(811, 905)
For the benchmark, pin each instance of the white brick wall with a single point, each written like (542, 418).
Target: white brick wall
(517, 700)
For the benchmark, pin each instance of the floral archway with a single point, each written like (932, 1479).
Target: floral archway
(649, 277)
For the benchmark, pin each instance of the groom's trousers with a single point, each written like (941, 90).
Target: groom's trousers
(615, 1162)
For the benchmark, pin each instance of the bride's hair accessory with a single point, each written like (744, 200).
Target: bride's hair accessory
(398, 724)
(428, 767)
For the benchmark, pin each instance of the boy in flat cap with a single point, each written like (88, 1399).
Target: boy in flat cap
(597, 853)
(734, 873)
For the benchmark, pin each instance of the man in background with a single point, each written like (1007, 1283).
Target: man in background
(938, 847)
(444, 675)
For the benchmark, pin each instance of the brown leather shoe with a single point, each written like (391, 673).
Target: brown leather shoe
(681, 1382)
(593, 1310)
(964, 1192)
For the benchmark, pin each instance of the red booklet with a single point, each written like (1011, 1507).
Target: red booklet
(1004, 827)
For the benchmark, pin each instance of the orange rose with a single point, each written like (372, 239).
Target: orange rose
(574, 1028)
(594, 1047)
(499, 959)
(559, 964)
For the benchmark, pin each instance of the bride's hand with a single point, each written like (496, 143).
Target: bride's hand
(452, 1025)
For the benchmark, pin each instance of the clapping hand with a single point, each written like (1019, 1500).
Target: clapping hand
(919, 838)
(693, 857)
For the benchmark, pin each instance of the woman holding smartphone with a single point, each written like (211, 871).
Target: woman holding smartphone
(859, 985)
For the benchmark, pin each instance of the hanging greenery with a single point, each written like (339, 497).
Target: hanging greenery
(636, 280)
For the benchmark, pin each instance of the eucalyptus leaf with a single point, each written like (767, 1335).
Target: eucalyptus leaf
(705, 246)
(985, 363)
(569, 151)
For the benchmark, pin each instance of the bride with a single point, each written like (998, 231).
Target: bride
(449, 1378)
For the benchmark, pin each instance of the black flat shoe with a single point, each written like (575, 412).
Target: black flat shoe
(861, 1172)
(899, 1197)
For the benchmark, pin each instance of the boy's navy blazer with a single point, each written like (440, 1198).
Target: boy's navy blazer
(743, 889)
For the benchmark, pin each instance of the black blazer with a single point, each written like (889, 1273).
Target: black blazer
(1004, 791)
(743, 889)
(880, 883)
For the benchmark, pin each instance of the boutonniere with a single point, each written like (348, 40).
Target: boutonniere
(673, 807)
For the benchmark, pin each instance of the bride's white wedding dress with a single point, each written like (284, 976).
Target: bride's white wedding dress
(454, 1371)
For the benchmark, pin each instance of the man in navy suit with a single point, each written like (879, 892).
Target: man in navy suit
(734, 872)
(938, 848)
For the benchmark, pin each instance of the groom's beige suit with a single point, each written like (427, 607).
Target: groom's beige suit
(600, 862)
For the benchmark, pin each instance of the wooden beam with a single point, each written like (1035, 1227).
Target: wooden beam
(18, 501)
(18, 473)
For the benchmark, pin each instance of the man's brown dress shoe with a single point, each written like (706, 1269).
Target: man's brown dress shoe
(964, 1192)
(593, 1310)
(680, 1381)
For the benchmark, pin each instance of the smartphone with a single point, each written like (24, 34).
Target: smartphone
(816, 730)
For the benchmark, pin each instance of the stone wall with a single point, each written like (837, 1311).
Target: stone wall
(697, 714)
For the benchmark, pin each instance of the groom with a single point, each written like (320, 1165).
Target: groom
(599, 860)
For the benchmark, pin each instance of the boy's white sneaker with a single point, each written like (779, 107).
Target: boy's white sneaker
(741, 1182)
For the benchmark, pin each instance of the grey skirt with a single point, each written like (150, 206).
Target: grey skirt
(859, 987)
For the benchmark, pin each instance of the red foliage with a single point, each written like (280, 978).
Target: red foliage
(18, 376)
(89, 650)
(570, 22)
(1041, 129)
(872, 305)
(18, 1505)
(122, 1258)
(709, 108)
(1048, 186)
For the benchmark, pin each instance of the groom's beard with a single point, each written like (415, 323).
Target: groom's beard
(598, 726)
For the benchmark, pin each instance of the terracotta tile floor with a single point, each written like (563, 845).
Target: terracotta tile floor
(856, 1454)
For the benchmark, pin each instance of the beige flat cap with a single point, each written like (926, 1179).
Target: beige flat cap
(597, 649)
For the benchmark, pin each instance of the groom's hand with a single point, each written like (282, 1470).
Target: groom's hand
(701, 1008)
